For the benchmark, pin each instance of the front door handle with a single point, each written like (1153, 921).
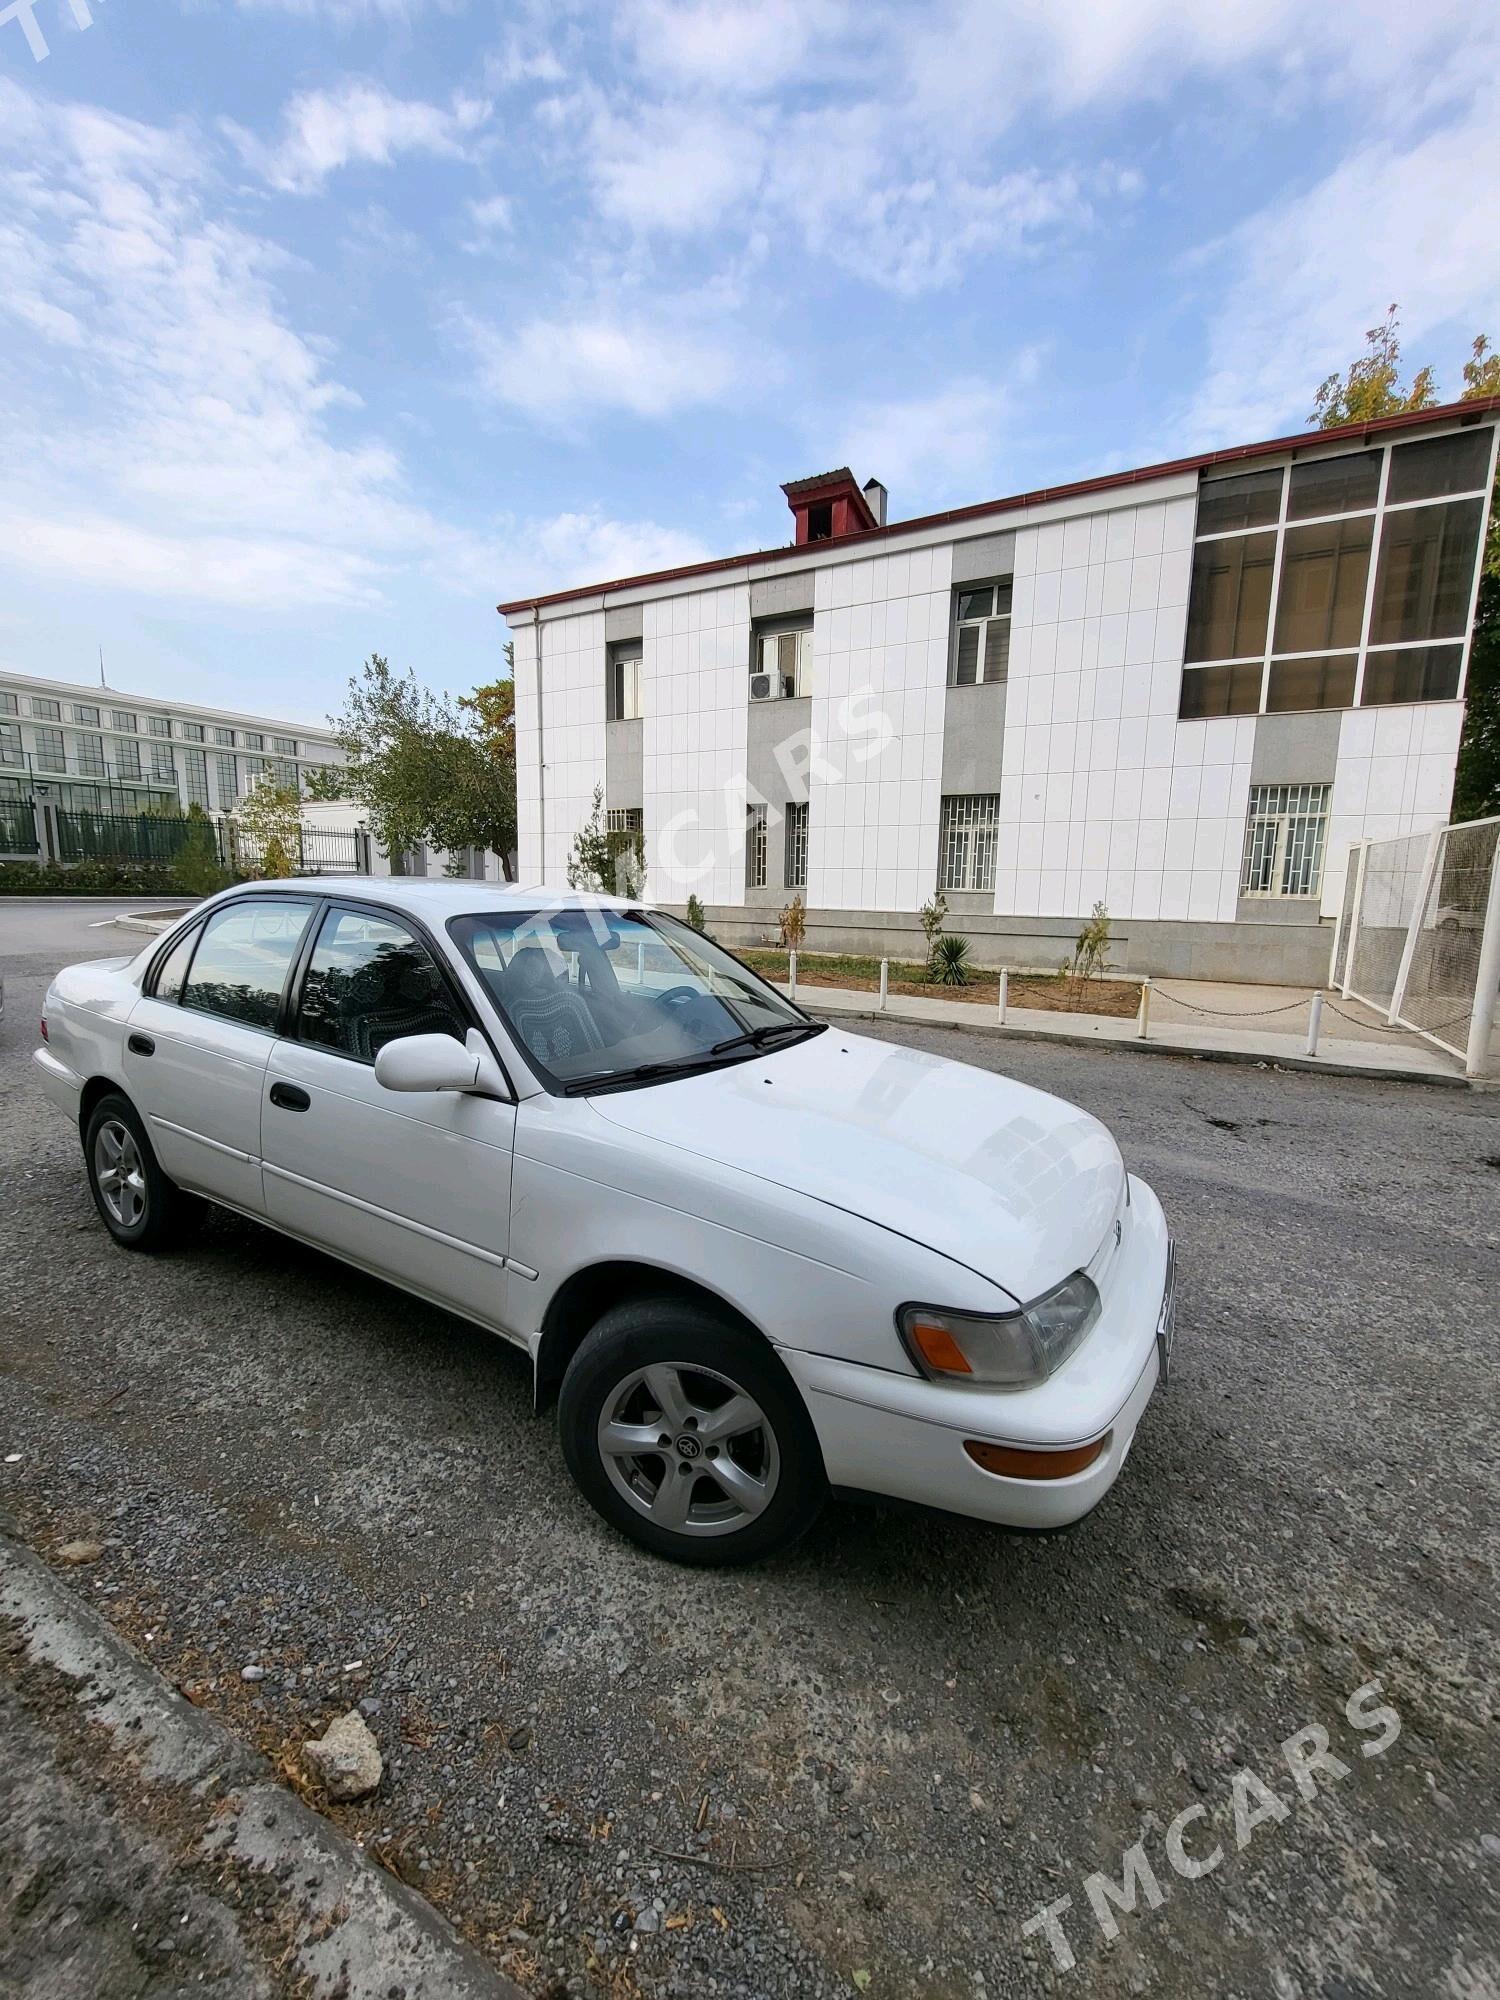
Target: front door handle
(141, 1045)
(289, 1096)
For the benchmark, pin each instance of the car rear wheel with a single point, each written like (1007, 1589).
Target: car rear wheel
(139, 1206)
(687, 1434)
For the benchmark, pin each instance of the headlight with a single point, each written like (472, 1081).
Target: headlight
(1003, 1351)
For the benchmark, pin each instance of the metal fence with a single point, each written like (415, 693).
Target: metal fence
(157, 840)
(1419, 936)
(320, 850)
(17, 820)
(163, 840)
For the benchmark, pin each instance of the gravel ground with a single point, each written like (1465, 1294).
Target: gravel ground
(862, 1768)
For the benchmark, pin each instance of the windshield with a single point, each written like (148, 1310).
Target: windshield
(600, 997)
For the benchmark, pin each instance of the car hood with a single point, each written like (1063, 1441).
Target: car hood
(1017, 1185)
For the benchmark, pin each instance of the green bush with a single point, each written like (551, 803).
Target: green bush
(950, 961)
(99, 878)
(695, 915)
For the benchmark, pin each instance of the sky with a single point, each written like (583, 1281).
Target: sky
(325, 325)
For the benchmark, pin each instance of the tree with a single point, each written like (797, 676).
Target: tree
(323, 782)
(1372, 385)
(425, 768)
(495, 708)
(1476, 782)
(270, 824)
(603, 862)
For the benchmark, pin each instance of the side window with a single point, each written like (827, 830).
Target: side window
(370, 982)
(173, 968)
(240, 967)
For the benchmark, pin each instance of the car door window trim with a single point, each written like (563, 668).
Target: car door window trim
(399, 920)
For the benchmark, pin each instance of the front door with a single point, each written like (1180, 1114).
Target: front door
(199, 1039)
(414, 1186)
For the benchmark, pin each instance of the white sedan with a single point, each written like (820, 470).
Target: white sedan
(754, 1257)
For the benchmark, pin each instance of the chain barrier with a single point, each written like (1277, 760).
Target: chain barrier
(1394, 1027)
(1300, 1007)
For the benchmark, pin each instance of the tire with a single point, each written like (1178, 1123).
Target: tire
(139, 1206)
(710, 1496)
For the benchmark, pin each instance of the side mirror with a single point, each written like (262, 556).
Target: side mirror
(426, 1062)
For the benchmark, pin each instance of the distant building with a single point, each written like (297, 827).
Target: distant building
(97, 750)
(1181, 692)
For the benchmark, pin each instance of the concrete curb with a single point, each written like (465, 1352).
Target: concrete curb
(992, 1031)
(343, 1927)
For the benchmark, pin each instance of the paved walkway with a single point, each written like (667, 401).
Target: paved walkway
(1230, 1023)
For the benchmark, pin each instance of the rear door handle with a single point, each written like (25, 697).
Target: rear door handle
(141, 1045)
(290, 1097)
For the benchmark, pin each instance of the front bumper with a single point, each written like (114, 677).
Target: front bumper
(903, 1436)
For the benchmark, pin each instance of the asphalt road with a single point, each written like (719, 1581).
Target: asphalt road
(884, 1753)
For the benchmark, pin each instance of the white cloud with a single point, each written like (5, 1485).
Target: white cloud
(346, 13)
(559, 369)
(570, 549)
(358, 123)
(1308, 273)
(495, 213)
(940, 446)
(737, 47)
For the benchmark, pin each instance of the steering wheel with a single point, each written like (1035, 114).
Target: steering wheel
(678, 996)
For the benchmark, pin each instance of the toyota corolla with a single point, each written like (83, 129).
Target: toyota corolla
(753, 1257)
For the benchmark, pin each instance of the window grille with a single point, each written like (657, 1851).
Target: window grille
(796, 845)
(969, 841)
(625, 819)
(1284, 839)
(755, 847)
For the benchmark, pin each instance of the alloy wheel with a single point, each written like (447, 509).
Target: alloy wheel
(119, 1173)
(689, 1449)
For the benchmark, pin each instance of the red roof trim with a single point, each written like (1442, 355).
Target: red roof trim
(1478, 406)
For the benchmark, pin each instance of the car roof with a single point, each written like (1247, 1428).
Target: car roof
(443, 898)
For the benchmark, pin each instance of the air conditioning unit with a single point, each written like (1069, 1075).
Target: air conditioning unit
(764, 687)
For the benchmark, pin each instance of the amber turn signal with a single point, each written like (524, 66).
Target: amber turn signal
(1013, 1463)
(938, 1348)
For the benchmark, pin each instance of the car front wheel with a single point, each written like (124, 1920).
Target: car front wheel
(687, 1434)
(140, 1207)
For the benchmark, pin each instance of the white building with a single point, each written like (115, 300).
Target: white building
(1181, 692)
(95, 750)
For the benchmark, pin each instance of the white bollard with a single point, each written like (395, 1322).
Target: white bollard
(1143, 1018)
(885, 980)
(1004, 992)
(1314, 1023)
(791, 973)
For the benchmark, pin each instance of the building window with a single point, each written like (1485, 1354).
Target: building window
(624, 819)
(622, 681)
(49, 750)
(44, 709)
(796, 845)
(1284, 837)
(123, 720)
(9, 705)
(254, 770)
(1277, 612)
(10, 743)
(159, 725)
(820, 522)
(84, 712)
(981, 647)
(755, 847)
(1425, 578)
(286, 745)
(192, 732)
(781, 662)
(128, 762)
(251, 739)
(228, 786)
(163, 770)
(195, 777)
(224, 737)
(90, 753)
(968, 841)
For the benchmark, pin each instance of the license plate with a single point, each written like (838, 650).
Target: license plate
(1167, 1318)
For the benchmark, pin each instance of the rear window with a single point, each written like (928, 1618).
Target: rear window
(241, 965)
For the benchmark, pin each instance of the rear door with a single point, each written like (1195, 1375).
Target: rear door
(200, 1037)
(415, 1186)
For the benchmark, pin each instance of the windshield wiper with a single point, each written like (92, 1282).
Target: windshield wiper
(766, 1037)
(754, 1038)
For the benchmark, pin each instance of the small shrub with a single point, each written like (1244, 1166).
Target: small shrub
(1090, 957)
(933, 916)
(949, 965)
(695, 916)
(793, 923)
